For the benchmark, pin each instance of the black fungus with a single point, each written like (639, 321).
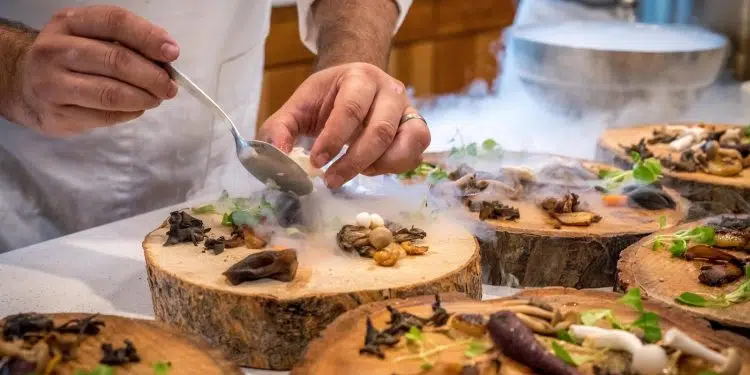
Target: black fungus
(184, 228)
(495, 210)
(215, 245)
(119, 356)
(374, 339)
(401, 322)
(640, 148)
(86, 326)
(19, 325)
(516, 341)
(648, 197)
(439, 315)
(279, 265)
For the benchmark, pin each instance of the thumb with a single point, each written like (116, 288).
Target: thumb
(280, 130)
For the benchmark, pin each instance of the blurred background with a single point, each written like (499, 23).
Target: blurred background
(550, 75)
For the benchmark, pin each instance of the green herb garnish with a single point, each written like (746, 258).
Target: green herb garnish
(633, 299)
(565, 336)
(431, 172)
(740, 294)
(644, 171)
(414, 335)
(678, 242)
(476, 348)
(563, 354)
(205, 209)
(489, 144)
(162, 368)
(662, 222)
(99, 370)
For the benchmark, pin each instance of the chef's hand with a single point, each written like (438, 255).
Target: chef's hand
(356, 104)
(74, 77)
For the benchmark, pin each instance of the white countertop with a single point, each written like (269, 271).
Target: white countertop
(98, 270)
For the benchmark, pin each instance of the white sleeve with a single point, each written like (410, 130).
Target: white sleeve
(308, 30)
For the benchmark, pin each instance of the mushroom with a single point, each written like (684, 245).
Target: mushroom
(581, 218)
(647, 359)
(500, 189)
(719, 274)
(731, 137)
(380, 237)
(682, 143)
(470, 324)
(412, 249)
(731, 239)
(522, 173)
(355, 238)
(729, 363)
(279, 265)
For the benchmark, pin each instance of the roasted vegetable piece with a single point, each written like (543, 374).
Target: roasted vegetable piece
(279, 265)
(512, 338)
(719, 274)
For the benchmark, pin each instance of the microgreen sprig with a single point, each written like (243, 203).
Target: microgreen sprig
(415, 338)
(644, 171)
(738, 295)
(677, 243)
(431, 172)
(647, 321)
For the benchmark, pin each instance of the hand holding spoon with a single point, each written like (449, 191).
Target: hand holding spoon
(264, 161)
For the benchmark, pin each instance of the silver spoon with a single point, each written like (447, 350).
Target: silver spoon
(261, 159)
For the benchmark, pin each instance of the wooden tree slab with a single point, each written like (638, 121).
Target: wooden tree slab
(154, 342)
(267, 323)
(663, 278)
(337, 350)
(709, 194)
(533, 251)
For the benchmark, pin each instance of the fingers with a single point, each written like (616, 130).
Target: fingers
(280, 130)
(112, 60)
(101, 93)
(116, 24)
(405, 153)
(71, 119)
(377, 136)
(350, 108)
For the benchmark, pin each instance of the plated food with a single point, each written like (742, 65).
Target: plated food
(571, 216)
(545, 331)
(702, 267)
(81, 344)
(707, 163)
(258, 277)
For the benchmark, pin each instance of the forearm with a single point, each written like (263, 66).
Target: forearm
(15, 38)
(354, 31)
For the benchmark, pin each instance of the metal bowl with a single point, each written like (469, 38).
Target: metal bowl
(604, 66)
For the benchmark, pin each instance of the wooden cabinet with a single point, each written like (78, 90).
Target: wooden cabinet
(442, 46)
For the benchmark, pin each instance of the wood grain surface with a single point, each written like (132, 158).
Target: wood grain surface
(336, 351)
(267, 323)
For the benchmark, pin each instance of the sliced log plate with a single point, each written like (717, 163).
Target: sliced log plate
(663, 278)
(709, 194)
(337, 350)
(267, 323)
(532, 251)
(154, 342)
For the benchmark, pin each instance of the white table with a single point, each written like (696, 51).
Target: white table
(97, 270)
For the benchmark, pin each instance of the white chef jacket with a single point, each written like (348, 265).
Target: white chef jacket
(51, 187)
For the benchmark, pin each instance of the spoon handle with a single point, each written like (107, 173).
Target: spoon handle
(199, 94)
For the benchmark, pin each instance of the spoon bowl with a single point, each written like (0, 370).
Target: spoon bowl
(263, 160)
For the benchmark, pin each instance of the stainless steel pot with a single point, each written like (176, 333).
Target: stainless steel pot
(569, 74)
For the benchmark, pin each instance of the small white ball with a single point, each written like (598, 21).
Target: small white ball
(363, 219)
(376, 221)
